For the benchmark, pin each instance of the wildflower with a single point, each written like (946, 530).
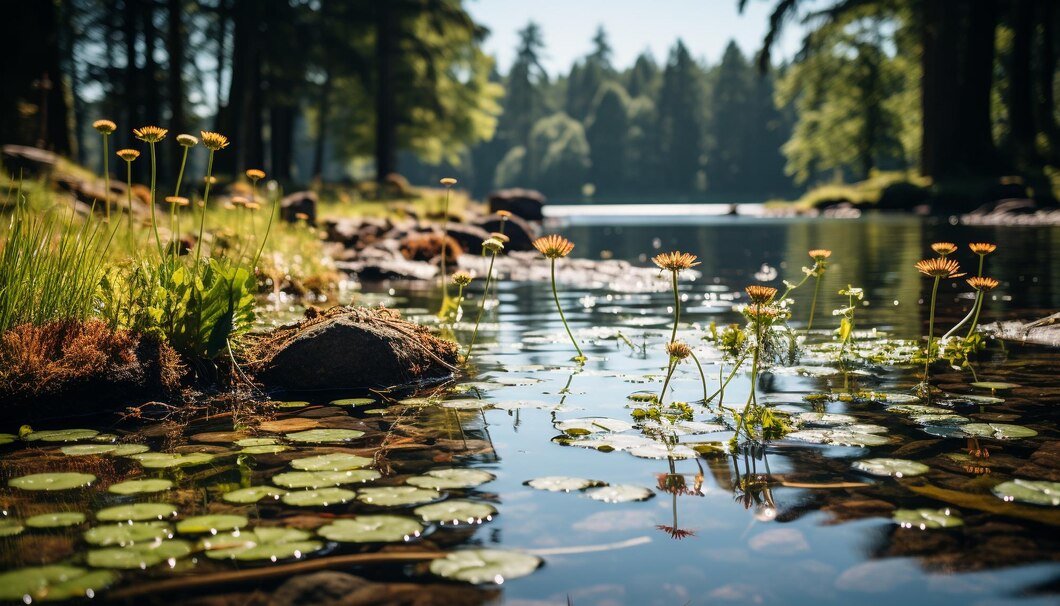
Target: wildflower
(150, 134)
(461, 278)
(239, 201)
(186, 140)
(760, 294)
(493, 245)
(939, 268)
(982, 248)
(944, 248)
(554, 246)
(504, 214)
(499, 236)
(177, 200)
(105, 127)
(210, 180)
(213, 141)
(761, 312)
(983, 283)
(820, 254)
(301, 217)
(675, 261)
(255, 174)
(853, 291)
(678, 350)
(128, 154)
(253, 206)
(448, 181)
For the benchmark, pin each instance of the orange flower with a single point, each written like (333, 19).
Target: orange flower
(255, 174)
(678, 349)
(982, 248)
(128, 154)
(820, 254)
(939, 268)
(213, 141)
(675, 261)
(177, 200)
(554, 246)
(983, 283)
(150, 134)
(105, 127)
(760, 294)
(944, 248)
(448, 181)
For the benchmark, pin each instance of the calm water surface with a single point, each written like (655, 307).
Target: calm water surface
(790, 523)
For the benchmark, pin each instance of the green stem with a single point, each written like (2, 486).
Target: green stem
(975, 318)
(813, 304)
(931, 329)
(445, 247)
(202, 214)
(268, 228)
(154, 223)
(981, 258)
(702, 377)
(128, 192)
(677, 309)
(555, 295)
(666, 383)
(754, 383)
(725, 383)
(106, 176)
(180, 175)
(481, 309)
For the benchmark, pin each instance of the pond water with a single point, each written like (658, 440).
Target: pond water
(791, 522)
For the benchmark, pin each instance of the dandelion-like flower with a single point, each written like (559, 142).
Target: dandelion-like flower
(983, 283)
(448, 181)
(554, 246)
(461, 278)
(253, 206)
(186, 140)
(820, 254)
(213, 141)
(498, 235)
(240, 201)
(177, 200)
(150, 134)
(982, 248)
(760, 294)
(255, 174)
(939, 268)
(128, 154)
(678, 350)
(212, 180)
(504, 214)
(493, 245)
(761, 312)
(944, 248)
(105, 127)
(675, 261)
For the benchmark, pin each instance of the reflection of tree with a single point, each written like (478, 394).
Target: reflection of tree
(676, 485)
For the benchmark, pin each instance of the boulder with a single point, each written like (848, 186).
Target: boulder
(520, 233)
(299, 203)
(469, 237)
(29, 162)
(525, 203)
(427, 246)
(350, 347)
(333, 588)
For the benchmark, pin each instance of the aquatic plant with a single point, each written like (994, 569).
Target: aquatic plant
(555, 247)
(675, 263)
(820, 256)
(846, 322)
(504, 215)
(460, 279)
(106, 128)
(129, 155)
(448, 183)
(981, 285)
(762, 314)
(152, 135)
(937, 268)
(213, 142)
(255, 175)
(493, 246)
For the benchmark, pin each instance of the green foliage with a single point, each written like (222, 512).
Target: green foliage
(558, 155)
(607, 133)
(680, 123)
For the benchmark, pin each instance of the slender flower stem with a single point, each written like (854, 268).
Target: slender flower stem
(481, 309)
(669, 373)
(445, 248)
(751, 398)
(202, 214)
(555, 295)
(128, 192)
(677, 309)
(154, 223)
(931, 329)
(978, 308)
(180, 175)
(813, 303)
(702, 377)
(268, 227)
(725, 383)
(106, 176)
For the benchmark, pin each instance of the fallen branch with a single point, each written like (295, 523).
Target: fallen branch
(787, 484)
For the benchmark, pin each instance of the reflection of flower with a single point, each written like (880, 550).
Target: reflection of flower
(672, 483)
(676, 533)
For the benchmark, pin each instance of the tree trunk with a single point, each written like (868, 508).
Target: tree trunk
(385, 114)
(322, 127)
(243, 122)
(978, 80)
(281, 141)
(1045, 110)
(222, 56)
(175, 52)
(131, 92)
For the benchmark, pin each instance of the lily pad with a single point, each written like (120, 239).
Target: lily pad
(456, 511)
(164, 460)
(324, 479)
(823, 419)
(58, 519)
(656, 450)
(918, 409)
(53, 481)
(251, 442)
(53, 583)
(61, 435)
(336, 461)
(1037, 492)
(319, 498)
(291, 404)
(212, 524)
(353, 402)
(396, 496)
(926, 518)
(10, 527)
(321, 436)
(265, 449)
(594, 424)
(1001, 431)
(124, 450)
(139, 512)
(562, 483)
(128, 534)
(847, 435)
(441, 479)
(372, 529)
(619, 493)
(994, 385)
(146, 486)
(271, 544)
(253, 494)
(891, 467)
(485, 565)
(467, 404)
(81, 450)
(139, 555)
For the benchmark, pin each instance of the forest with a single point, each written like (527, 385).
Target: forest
(343, 91)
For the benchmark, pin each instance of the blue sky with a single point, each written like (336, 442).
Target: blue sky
(706, 26)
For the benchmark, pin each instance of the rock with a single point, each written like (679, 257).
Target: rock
(29, 162)
(350, 347)
(332, 588)
(469, 237)
(427, 246)
(317, 588)
(378, 270)
(356, 233)
(299, 203)
(520, 233)
(1045, 331)
(525, 203)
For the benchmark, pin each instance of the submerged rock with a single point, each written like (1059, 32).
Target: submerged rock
(350, 347)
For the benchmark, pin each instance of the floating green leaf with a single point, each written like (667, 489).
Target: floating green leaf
(250, 442)
(61, 435)
(1037, 492)
(466, 404)
(10, 527)
(372, 529)
(139, 555)
(656, 450)
(891, 467)
(128, 534)
(619, 493)
(847, 435)
(1001, 431)
(336, 461)
(58, 519)
(253, 494)
(319, 498)
(394, 496)
(270, 544)
(485, 565)
(456, 512)
(146, 486)
(53, 481)
(441, 479)
(163, 460)
(138, 512)
(321, 436)
(823, 419)
(212, 524)
(561, 483)
(994, 385)
(80, 450)
(265, 449)
(323, 479)
(53, 583)
(926, 518)
(594, 424)
(353, 402)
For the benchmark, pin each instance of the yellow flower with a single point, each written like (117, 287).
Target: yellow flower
(675, 261)
(187, 140)
(760, 294)
(128, 154)
(448, 181)
(493, 245)
(213, 141)
(982, 248)
(150, 134)
(177, 200)
(820, 254)
(678, 349)
(255, 174)
(944, 248)
(105, 127)
(461, 278)
(498, 235)
(554, 246)
(939, 268)
(983, 283)
(240, 201)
